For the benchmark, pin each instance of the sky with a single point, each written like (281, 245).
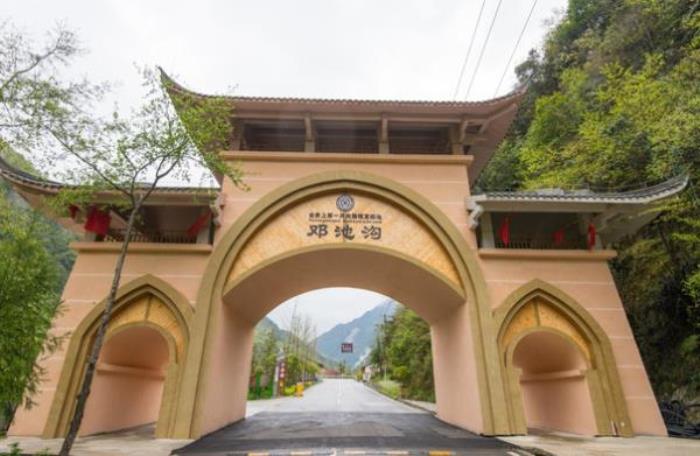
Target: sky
(389, 49)
(327, 307)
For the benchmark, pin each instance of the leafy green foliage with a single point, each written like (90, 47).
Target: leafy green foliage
(32, 95)
(300, 348)
(49, 241)
(30, 282)
(403, 348)
(265, 348)
(123, 158)
(614, 102)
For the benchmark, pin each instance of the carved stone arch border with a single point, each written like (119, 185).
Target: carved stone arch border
(229, 246)
(331, 247)
(80, 343)
(609, 405)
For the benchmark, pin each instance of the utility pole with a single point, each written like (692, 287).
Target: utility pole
(278, 363)
(384, 347)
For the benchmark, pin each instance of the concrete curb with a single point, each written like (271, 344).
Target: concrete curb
(398, 399)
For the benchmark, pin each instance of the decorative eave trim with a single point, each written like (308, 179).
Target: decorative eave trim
(419, 159)
(641, 196)
(515, 95)
(546, 255)
(141, 247)
(562, 201)
(47, 187)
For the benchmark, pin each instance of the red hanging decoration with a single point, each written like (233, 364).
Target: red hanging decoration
(73, 211)
(97, 221)
(591, 236)
(504, 231)
(558, 237)
(198, 225)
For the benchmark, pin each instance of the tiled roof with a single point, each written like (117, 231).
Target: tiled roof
(514, 95)
(17, 176)
(641, 195)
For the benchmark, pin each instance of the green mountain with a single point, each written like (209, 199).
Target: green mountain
(613, 103)
(361, 332)
(54, 237)
(266, 324)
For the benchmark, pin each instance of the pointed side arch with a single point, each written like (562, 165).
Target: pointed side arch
(570, 320)
(146, 301)
(469, 279)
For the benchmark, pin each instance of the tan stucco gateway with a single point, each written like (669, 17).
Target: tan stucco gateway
(521, 337)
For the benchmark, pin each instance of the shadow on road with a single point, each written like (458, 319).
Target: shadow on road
(273, 432)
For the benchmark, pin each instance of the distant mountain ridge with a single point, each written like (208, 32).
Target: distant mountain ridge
(266, 324)
(362, 332)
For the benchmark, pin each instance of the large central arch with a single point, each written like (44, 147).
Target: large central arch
(268, 255)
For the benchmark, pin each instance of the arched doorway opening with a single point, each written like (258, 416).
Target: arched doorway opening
(249, 298)
(128, 387)
(558, 367)
(140, 368)
(342, 333)
(552, 379)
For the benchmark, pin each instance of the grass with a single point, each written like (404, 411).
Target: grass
(266, 393)
(389, 387)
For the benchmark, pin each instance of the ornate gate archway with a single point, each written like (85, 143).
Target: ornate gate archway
(279, 248)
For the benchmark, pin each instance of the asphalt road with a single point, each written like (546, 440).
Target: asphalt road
(341, 417)
(334, 395)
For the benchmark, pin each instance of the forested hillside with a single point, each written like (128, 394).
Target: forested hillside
(34, 263)
(54, 238)
(614, 103)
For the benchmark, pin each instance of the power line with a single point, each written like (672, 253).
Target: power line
(469, 51)
(517, 43)
(483, 48)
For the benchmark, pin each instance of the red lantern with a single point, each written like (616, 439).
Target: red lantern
(97, 221)
(504, 231)
(558, 237)
(591, 236)
(198, 224)
(73, 211)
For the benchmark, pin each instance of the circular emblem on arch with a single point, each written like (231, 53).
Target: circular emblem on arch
(314, 222)
(345, 202)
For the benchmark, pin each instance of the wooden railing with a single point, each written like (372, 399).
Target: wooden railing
(160, 237)
(542, 244)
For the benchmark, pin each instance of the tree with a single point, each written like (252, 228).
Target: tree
(300, 347)
(29, 298)
(31, 248)
(265, 352)
(403, 351)
(613, 104)
(124, 159)
(32, 94)
(128, 159)
(265, 349)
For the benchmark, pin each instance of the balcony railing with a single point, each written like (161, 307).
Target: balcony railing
(161, 237)
(542, 244)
